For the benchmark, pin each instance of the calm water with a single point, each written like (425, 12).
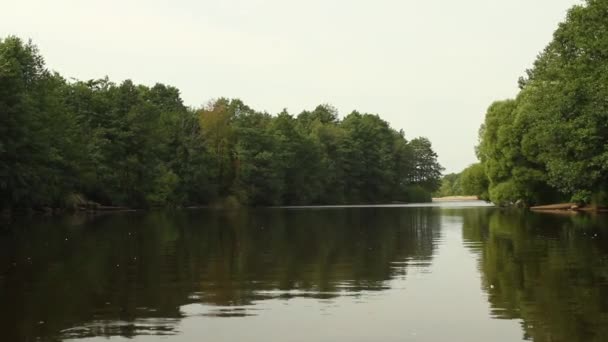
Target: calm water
(438, 273)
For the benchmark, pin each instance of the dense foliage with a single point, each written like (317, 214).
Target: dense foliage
(550, 143)
(450, 186)
(133, 145)
(472, 181)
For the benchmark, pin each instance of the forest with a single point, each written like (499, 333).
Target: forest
(123, 144)
(550, 143)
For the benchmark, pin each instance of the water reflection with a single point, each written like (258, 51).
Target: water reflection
(550, 271)
(392, 273)
(141, 274)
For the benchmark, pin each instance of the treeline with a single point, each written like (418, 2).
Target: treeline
(550, 143)
(132, 145)
(472, 181)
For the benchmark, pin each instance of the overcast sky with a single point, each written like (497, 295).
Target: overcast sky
(429, 67)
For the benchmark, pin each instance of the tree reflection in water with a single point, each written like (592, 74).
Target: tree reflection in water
(550, 271)
(130, 274)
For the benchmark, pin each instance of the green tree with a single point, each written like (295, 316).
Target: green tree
(426, 169)
(474, 182)
(37, 135)
(450, 185)
(550, 142)
(133, 145)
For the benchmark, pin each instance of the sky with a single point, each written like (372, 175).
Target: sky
(429, 67)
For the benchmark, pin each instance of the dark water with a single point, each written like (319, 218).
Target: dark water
(441, 273)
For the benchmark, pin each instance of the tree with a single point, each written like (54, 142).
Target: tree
(426, 169)
(37, 155)
(474, 182)
(451, 185)
(550, 142)
(138, 146)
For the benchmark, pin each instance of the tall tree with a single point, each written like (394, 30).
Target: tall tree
(133, 145)
(550, 142)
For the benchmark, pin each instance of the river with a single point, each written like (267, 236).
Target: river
(437, 272)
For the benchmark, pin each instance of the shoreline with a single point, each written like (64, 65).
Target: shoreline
(456, 199)
(572, 208)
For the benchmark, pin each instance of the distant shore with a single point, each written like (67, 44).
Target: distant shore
(455, 198)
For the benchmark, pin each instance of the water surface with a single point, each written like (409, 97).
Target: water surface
(448, 272)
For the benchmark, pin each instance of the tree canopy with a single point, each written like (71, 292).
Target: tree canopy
(550, 143)
(133, 145)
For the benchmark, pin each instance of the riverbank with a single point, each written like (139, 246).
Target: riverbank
(77, 205)
(569, 208)
(455, 199)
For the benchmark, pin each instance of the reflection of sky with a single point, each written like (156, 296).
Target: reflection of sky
(437, 301)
